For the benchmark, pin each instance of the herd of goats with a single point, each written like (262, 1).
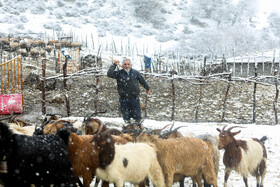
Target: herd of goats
(34, 47)
(59, 152)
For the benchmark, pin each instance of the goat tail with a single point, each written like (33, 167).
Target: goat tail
(263, 139)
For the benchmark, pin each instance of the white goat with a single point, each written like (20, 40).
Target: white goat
(131, 162)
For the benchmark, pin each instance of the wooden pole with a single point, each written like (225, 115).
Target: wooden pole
(21, 76)
(254, 95)
(96, 93)
(273, 63)
(96, 85)
(44, 87)
(173, 95)
(276, 74)
(200, 93)
(65, 86)
(226, 97)
(146, 96)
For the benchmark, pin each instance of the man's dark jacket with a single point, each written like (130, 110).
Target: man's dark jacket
(128, 86)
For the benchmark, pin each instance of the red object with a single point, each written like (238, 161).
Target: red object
(11, 104)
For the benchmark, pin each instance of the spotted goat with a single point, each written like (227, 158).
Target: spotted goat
(243, 156)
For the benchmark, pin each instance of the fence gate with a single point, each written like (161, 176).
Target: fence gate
(11, 100)
(73, 64)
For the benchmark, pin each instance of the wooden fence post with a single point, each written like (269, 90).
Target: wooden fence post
(173, 94)
(65, 86)
(276, 74)
(96, 93)
(146, 96)
(254, 95)
(200, 92)
(226, 97)
(44, 87)
(224, 63)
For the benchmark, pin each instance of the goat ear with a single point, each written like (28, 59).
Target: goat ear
(219, 130)
(235, 133)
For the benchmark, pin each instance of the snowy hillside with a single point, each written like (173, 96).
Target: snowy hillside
(182, 26)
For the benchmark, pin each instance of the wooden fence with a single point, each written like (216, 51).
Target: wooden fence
(201, 81)
(11, 100)
(11, 76)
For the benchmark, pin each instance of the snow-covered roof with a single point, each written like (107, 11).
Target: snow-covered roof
(264, 56)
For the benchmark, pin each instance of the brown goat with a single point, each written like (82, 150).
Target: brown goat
(84, 157)
(186, 156)
(54, 125)
(212, 143)
(244, 156)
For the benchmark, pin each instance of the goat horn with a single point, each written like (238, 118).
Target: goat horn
(156, 130)
(87, 117)
(99, 112)
(13, 117)
(228, 130)
(1, 119)
(178, 128)
(171, 127)
(5, 118)
(166, 126)
(100, 128)
(224, 127)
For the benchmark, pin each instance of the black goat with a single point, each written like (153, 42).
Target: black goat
(41, 160)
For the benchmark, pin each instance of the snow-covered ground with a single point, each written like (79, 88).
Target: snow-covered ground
(272, 178)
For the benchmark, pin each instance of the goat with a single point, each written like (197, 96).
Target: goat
(54, 125)
(40, 160)
(185, 156)
(39, 129)
(82, 153)
(26, 130)
(93, 125)
(49, 48)
(84, 157)
(34, 52)
(243, 156)
(131, 162)
(212, 143)
(131, 126)
(18, 126)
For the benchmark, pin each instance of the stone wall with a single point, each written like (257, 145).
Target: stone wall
(239, 106)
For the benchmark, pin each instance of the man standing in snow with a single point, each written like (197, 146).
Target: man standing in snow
(128, 80)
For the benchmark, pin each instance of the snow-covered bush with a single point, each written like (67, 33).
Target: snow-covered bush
(23, 19)
(146, 10)
(38, 9)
